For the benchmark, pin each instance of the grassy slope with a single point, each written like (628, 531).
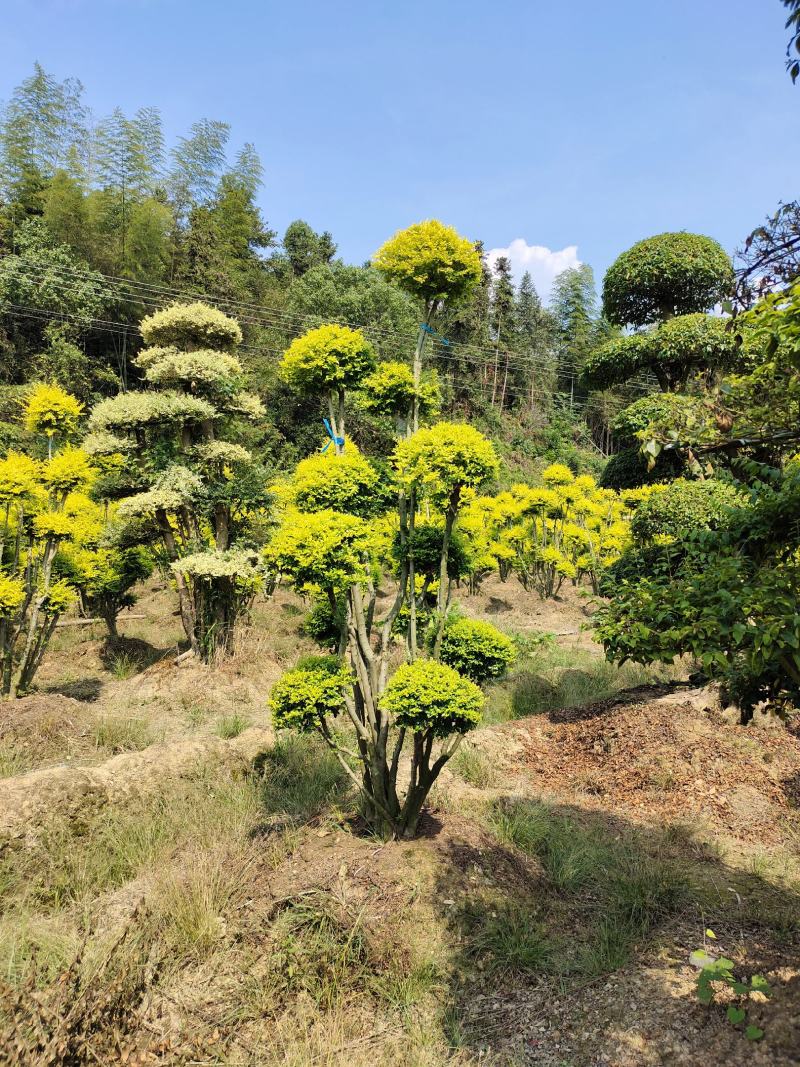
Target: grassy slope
(237, 919)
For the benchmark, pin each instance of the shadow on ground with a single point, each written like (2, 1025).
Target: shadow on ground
(572, 933)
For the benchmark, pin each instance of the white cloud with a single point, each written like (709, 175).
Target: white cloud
(542, 263)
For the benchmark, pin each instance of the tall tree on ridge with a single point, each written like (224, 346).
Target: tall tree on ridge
(536, 333)
(574, 308)
(504, 325)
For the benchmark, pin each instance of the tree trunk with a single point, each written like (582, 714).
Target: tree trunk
(421, 336)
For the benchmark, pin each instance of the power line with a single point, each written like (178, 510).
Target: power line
(271, 318)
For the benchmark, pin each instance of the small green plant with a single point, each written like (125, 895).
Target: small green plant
(510, 939)
(230, 726)
(474, 766)
(301, 776)
(717, 971)
(123, 665)
(122, 734)
(531, 642)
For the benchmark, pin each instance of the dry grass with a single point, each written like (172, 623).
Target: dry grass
(268, 931)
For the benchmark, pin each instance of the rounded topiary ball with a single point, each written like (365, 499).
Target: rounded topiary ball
(669, 274)
(189, 326)
(685, 507)
(426, 696)
(477, 649)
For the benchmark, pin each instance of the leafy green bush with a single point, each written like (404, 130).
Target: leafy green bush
(302, 699)
(329, 664)
(635, 418)
(323, 624)
(430, 697)
(627, 469)
(477, 649)
(425, 545)
(390, 390)
(683, 508)
(728, 597)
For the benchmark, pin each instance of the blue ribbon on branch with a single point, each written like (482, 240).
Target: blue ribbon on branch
(338, 441)
(429, 329)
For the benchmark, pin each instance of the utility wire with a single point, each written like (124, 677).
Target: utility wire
(270, 318)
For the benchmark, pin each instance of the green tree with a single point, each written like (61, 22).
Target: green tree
(793, 47)
(222, 244)
(201, 484)
(434, 264)
(663, 276)
(305, 249)
(37, 307)
(43, 129)
(198, 162)
(727, 592)
(574, 309)
(337, 292)
(504, 326)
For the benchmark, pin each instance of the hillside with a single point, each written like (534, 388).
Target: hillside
(181, 887)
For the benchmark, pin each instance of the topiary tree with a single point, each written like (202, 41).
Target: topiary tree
(337, 555)
(477, 649)
(721, 586)
(425, 699)
(327, 361)
(38, 519)
(663, 276)
(440, 463)
(635, 465)
(663, 287)
(390, 390)
(195, 484)
(677, 348)
(433, 263)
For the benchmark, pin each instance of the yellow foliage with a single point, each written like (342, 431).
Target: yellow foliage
(50, 410)
(431, 261)
(18, 476)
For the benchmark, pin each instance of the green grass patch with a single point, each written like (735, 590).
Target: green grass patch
(552, 678)
(301, 777)
(122, 734)
(509, 938)
(474, 766)
(601, 895)
(230, 726)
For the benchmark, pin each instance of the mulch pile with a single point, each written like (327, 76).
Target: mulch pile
(672, 758)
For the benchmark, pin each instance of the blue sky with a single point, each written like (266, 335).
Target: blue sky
(578, 127)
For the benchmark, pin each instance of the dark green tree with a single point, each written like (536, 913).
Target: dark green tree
(574, 308)
(305, 249)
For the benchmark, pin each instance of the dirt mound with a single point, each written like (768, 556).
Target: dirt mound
(671, 758)
(28, 800)
(45, 714)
